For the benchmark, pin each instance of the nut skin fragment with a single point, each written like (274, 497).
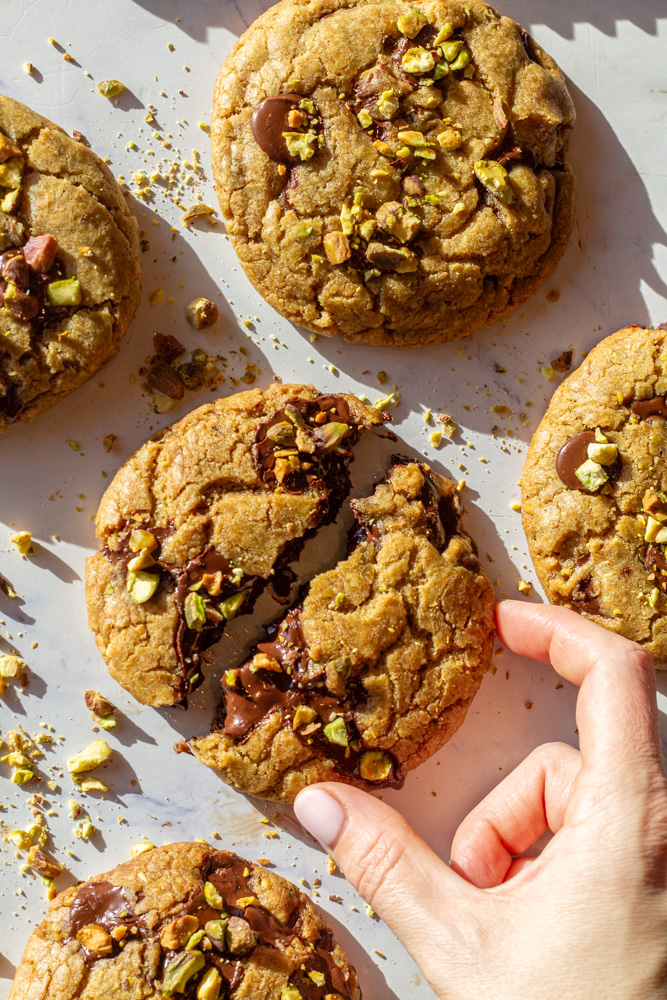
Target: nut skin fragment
(97, 703)
(202, 313)
(239, 936)
(398, 221)
(392, 258)
(337, 248)
(40, 253)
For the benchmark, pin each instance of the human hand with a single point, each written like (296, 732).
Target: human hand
(587, 919)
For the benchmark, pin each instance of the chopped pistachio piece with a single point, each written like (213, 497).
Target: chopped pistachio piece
(107, 721)
(110, 88)
(364, 118)
(374, 765)
(411, 24)
(9, 202)
(300, 144)
(95, 939)
(451, 50)
(418, 61)
(336, 732)
(213, 897)
(10, 666)
(291, 993)
(591, 475)
(600, 437)
(332, 434)
(450, 139)
(20, 839)
(22, 776)
(655, 531)
(398, 259)
(442, 69)
(142, 539)
(142, 586)
(230, 607)
(209, 986)
(174, 934)
(603, 454)
(367, 228)
(337, 248)
(303, 716)
(445, 32)
(180, 970)
(495, 179)
(91, 784)
(141, 561)
(461, 61)
(195, 939)
(140, 848)
(23, 542)
(654, 597)
(64, 293)
(387, 104)
(97, 703)
(398, 221)
(201, 313)
(92, 756)
(413, 138)
(10, 173)
(194, 608)
(215, 929)
(43, 863)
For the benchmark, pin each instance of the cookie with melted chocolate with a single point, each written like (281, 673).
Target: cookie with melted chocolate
(203, 517)
(70, 279)
(599, 546)
(408, 193)
(373, 670)
(184, 920)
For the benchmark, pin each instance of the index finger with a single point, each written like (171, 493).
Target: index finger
(616, 709)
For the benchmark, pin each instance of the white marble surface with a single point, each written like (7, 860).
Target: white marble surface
(614, 272)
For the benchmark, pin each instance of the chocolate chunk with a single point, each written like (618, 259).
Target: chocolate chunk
(269, 121)
(103, 904)
(647, 408)
(529, 45)
(573, 454)
(586, 599)
(663, 326)
(22, 306)
(563, 362)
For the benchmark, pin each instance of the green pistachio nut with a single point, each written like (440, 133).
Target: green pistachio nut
(387, 104)
(364, 118)
(461, 61)
(180, 971)
(291, 993)
(64, 293)
(110, 88)
(300, 145)
(495, 179)
(209, 986)
(303, 716)
(142, 539)
(591, 475)
(330, 435)
(194, 608)
(603, 454)
(445, 32)
(451, 50)
(10, 200)
(281, 433)
(194, 939)
(11, 172)
(213, 897)
(231, 606)
(374, 765)
(215, 929)
(336, 732)
(418, 61)
(142, 586)
(411, 24)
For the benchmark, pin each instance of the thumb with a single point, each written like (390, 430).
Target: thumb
(394, 870)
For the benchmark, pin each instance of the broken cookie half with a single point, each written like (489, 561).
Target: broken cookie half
(373, 670)
(203, 517)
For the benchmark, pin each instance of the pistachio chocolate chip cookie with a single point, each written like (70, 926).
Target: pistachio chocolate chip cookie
(188, 921)
(392, 173)
(69, 263)
(374, 669)
(595, 489)
(203, 517)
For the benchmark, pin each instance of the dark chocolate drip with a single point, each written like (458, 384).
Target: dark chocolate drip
(443, 513)
(103, 904)
(663, 326)
(529, 45)
(322, 961)
(656, 562)
(573, 454)
(269, 121)
(645, 409)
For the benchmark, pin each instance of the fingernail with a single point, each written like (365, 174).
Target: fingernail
(321, 815)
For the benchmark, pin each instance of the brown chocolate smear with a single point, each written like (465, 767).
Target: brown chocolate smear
(269, 121)
(322, 961)
(99, 903)
(585, 598)
(573, 454)
(647, 408)
(656, 561)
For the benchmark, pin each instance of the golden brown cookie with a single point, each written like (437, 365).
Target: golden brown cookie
(595, 489)
(393, 174)
(70, 279)
(375, 668)
(203, 517)
(184, 920)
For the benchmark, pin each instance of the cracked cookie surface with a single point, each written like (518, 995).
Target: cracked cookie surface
(184, 920)
(203, 517)
(398, 176)
(70, 279)
(594, 489)
(375, 668)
